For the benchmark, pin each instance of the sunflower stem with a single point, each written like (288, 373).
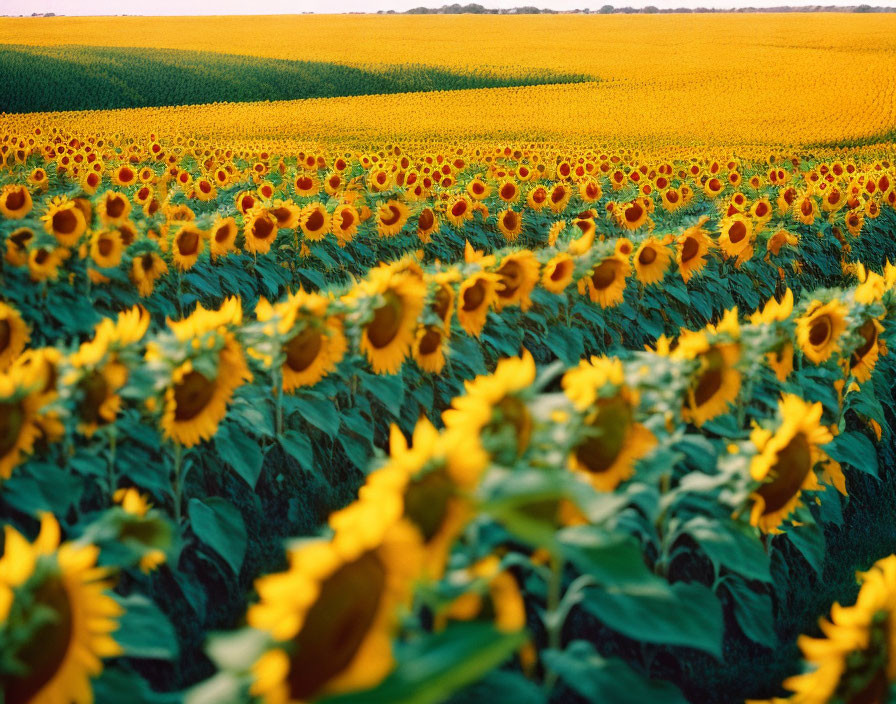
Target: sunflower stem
(176, 485)
(553, 621)
(113, 478)
(278, 397)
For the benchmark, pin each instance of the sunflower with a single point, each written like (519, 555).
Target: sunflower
(806, 209)
(344, 223)
(43, 263)
(855, 660)
(428, 349)
(819, 329)
(736, 237)
(16, 246)
(518, 274)
(186, 246)
(508, 191)
(106, 248)
(313, 341)
(672, 199)
(440, 300)
(713, 187)
(145, 270)
(245, 201)
(717, 381)
(537, 198)
(204, 189)
(559, 197)
(65, 221)
(493, 409)
(397, 301)
(459, 210)
(21, 399)
(433, 476)
(14, 335)
(854, 221)
(605, 284)
(260, 230)
(113, 208)
(693, 246)
(333, 611)
(612, 441)
(391, 217)
(124, 175)
(474, 298)
(90, 181)
(15, 202)
(197, 396)
(558, 273)
(222, 238)
(632, 215)
(785, 461)
(56, 594)
(651, 261)
(427, 224)
(590, 191)
(478, 189)
(287, 214)
(864, 358)
(490, 591)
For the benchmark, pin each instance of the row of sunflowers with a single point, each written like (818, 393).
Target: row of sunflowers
(558, 529)
(602, 483)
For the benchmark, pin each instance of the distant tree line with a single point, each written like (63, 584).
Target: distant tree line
(475, 9)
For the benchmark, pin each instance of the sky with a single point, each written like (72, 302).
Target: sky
(273, 7)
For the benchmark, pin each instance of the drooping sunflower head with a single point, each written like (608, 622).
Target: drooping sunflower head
(65, 221)
(312, 340)
(395, 303)
(716, 381)
(606, 283)
(222, 237)
(14, 335)
(475, 296)
(344, 223)
(187, 243)
(864, 357)
(785, 461)
(333, 611)
(693, 246)
(15, 201)
(440, 296)
(57, 596)
(651, 261)
(611, 440)
(260, 230)
(21, 399)
(819, 329)
(427, 224)
(494, 409)
(518, 274)
(558, 273)
(391, 217)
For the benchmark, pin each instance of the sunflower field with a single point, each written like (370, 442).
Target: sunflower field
(477, 418)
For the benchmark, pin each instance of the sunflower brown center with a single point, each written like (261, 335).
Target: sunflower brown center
(459, 208)
(508, 191)
(426, 220)
(426, 502)
(303, 348)
(820, 331)
(347, 219)
(188, 242)
(222, 234)
(394, 215)
(46, 649)
(689, 249)
(5, 335)
(336, 624)
(604, 275)
(65, 221)
(430, 341)
(790, 470)
(868, 331)
(441, 302)
(710, 381)
(262, 228)
(105, 246)
(386, 322)
(12, 418)
(115, 207)
(647, 256)
(558, 194)
(315, 221)
(806, 208)
(191, 395)
(607, 432)
(737, 232)
(473, 296)
(511, 274)
(561, 270)
(15, 199)
(95, 390)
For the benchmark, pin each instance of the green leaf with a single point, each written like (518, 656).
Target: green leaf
(298, 446)
(855, 449)
(603, 680)
(241, 452)
(319, 412)
(439, 665)
(727, 546)
(387, 389)
(610, 559)
(501, 687)
(144, 631)
(753, 612)
(219, 524)
(683, 614)
(809, 540)
(116, 684)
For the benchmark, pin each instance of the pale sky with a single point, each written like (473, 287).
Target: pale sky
(274, 7)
